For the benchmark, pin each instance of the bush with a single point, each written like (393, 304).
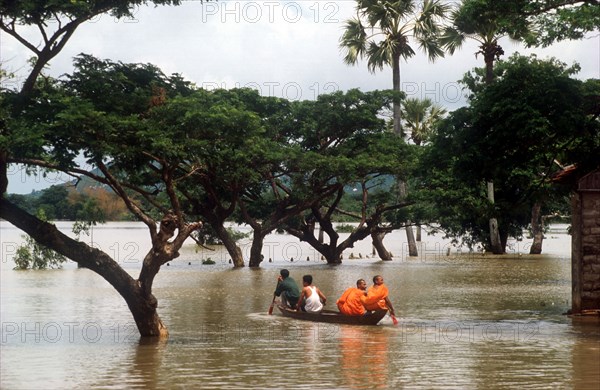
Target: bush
(36, 256)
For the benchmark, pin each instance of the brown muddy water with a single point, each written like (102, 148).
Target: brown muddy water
(466, 321)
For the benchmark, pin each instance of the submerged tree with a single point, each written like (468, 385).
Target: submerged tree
(512, 135)
(38, 145)
(533, 22)
(346, 146)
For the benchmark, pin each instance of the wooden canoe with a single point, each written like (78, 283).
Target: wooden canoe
(334, 317)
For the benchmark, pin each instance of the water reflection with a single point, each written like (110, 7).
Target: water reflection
(145, 369)
(364, 360)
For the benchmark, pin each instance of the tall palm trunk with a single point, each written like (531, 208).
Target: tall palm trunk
(396, 87)
(490, 53)
(410, 237)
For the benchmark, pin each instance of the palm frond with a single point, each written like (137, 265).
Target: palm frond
(452, 39)
(379, 55)
(353, 41)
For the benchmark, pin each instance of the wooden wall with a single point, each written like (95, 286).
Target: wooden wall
(586, 244)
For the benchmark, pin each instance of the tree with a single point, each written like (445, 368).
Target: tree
(56, 22)
(512, 133)
(419, 118)
(235, 149)
(478, 20)
(533, 22)
(133, 158)
(348, 147)
(398, 24)
(541, 23)
(330, 144)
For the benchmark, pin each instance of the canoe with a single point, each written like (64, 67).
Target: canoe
(334, 317)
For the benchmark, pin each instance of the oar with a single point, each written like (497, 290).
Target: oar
(273, 302)
(394, 320)
(272, 305)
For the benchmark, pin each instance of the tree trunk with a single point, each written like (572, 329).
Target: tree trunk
(503, 242)
(419, 233)
(3, 172)
(537, 229)
(256, 256)
(396, 88)
(412, 244)
(410, 236)
(141, 303)
(235, 252)
(383, 253)
(495, 243)
(333, 257)
(230, 245)
(490, 51)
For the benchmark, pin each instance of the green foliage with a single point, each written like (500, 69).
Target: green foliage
(36, 256)
(34, 12)
(552, 21)
(57, 203)
(344, 228)
(384, 31)
(419, 118)
(512, 134)
(207, 235)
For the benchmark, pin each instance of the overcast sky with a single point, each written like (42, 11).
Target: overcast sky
(282, 48)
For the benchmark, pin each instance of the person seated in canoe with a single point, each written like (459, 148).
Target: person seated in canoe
(311, 298)
(350, 302)
(377, 296)
(287, 289)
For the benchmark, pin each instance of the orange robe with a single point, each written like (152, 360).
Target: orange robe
(350, 302)
(375, 299)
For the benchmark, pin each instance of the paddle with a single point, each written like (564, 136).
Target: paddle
(272, 305)
(273, 302)
(394, 320)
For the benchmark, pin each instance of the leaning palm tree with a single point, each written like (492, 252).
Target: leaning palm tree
(383, 32)
(485, 23)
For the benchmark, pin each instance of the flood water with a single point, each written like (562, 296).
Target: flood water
(466, 321)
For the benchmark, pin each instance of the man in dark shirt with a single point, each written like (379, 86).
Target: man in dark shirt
(287, 289)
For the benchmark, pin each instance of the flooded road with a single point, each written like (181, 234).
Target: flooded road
(467, 321)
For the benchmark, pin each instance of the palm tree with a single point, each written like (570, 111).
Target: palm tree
(481, 21)
(385, 31)
(419, 117)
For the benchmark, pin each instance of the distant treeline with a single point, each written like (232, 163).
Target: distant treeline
(70, 203)
(64, 202)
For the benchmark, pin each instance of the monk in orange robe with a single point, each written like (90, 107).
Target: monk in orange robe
(350, 302)
(377, 296)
